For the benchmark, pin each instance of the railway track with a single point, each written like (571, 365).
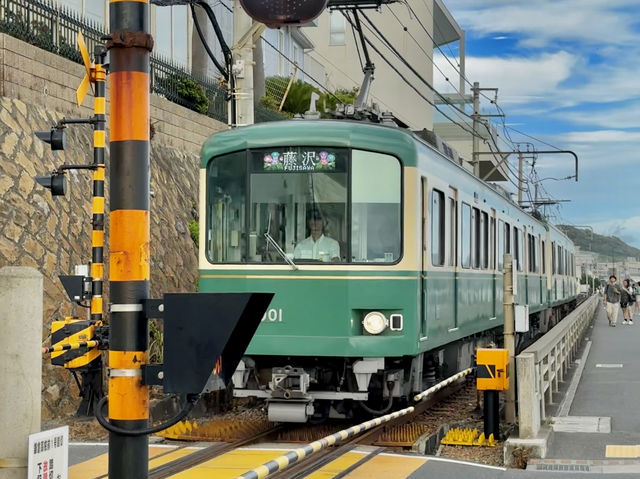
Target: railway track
(206, 454)
(325, 456)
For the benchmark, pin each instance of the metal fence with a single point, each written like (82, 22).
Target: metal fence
(543, 365)
(54, 28)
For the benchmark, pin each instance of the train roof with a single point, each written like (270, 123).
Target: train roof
(336, 133)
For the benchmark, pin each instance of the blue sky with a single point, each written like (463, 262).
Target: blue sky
(569, 74)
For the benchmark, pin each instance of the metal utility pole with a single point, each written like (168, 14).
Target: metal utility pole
(129, 45)
(520, 179)
(245, 33)
(476, 123)
(510, 277)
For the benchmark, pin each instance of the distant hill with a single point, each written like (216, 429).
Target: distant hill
(606, 246)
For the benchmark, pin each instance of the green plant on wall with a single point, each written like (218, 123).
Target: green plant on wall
(181, 88)
(194, 231)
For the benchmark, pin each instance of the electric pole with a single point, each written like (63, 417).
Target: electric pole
(129, 46)
(510, 278)
(520, 165)
(245, 33)
(476, 123)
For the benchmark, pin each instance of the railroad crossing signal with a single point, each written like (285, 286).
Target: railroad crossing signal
(86, 82)
(281, 13)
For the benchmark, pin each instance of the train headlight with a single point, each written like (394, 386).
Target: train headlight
(375, 322)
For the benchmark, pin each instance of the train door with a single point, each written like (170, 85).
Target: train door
(424, 259)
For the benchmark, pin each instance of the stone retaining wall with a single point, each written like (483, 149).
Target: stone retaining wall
(53, 234)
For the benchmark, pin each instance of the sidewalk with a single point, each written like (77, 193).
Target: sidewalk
(609, 388)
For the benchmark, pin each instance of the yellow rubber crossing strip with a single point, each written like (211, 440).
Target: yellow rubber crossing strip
(624, 451)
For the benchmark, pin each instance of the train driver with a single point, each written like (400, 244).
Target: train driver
(317, 246)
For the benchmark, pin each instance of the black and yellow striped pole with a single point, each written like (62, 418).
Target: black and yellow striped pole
(129, 46)
(97, 221)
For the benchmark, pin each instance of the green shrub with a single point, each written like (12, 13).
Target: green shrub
(194, 230)
(184, 90)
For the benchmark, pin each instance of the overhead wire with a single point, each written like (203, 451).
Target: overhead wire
(404, 78)
(406, 63)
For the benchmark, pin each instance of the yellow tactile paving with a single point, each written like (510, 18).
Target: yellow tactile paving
(335, 467)
(622, 451)
(387, 467)
(231, 465)
(99, 465)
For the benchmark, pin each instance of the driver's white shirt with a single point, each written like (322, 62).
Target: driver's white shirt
(325, 249)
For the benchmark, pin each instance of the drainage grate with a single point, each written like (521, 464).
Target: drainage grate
(563, 467)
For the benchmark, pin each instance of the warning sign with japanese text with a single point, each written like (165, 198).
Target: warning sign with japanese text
(49, 454)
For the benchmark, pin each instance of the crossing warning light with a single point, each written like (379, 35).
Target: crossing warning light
(55, 137)
(56, 182)
(284, 12)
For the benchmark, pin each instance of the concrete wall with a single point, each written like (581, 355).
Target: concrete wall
(37, 88)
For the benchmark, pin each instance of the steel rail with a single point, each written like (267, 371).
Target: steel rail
(369, 428)
(203, 455)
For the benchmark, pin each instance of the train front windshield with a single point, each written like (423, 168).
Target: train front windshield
(304, 205)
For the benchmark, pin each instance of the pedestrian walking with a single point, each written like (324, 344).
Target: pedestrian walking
(626, 302)
(636, 291)
(612, 293)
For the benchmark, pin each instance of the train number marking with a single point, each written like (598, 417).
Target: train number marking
(272, 316)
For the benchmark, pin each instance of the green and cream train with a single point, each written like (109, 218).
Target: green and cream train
(385, 257)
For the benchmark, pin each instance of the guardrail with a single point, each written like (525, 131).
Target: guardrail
(543, 364)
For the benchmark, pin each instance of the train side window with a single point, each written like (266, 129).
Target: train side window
(376, 212)
(484, 231)
(521, 256)
(437, 228)
(475, 238)
(500, 244)
(465, 234)
(517, 247)
(226, 205)
(453, 232)
(507, 238)
(543, 255)
(492, 244)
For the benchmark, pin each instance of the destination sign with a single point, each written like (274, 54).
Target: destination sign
(299, 160)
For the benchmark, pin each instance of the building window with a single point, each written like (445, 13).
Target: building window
(93, 10)
(337, 28)
(179, 34)
(162, 42)
(171, 38)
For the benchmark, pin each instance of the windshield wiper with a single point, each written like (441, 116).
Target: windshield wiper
(280, 251)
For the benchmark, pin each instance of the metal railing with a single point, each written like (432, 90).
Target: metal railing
(544, 364)
(54, 28)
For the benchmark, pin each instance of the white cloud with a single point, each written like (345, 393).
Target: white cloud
(512, 75)
(627, 229)
(622, 116)
(541, 23)
(601, 136)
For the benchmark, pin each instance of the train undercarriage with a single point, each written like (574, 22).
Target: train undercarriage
(313, 389)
